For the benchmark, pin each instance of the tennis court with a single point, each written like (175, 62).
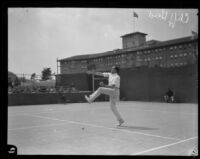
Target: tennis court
(150, 128)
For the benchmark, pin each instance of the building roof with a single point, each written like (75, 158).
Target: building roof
(152, 42)
(134, 33)
(148, 45)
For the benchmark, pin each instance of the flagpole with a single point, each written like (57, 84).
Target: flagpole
(133, 22)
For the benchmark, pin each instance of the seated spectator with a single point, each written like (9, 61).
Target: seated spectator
(169, 96)
(72, 88)
(9, 90)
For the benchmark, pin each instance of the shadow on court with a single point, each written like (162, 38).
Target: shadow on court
(128, 127)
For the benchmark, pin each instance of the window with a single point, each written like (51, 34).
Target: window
(175, 55)
(180, 55)
(185, 46)
(170, 47)
(83, 66)
(185, 54)
(190, 53)
(180, 46)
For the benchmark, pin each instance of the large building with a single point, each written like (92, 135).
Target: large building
(147, 68)
(136, 52)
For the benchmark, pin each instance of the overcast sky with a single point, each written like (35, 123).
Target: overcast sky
(37, 36)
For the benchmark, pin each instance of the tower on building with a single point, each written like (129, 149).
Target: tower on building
(134, 39)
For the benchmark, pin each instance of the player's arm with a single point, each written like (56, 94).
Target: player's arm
(96, 73)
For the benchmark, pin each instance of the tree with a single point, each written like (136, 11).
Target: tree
(33, 76)
(22, 79)
(13, 80)
(46, 74)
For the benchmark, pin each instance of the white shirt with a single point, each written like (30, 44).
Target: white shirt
(113, 79)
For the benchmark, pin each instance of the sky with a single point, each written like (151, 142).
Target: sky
(38, 36)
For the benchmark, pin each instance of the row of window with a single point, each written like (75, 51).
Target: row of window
(153, 58)
(138, 53)
(108, 58)
(180, 55)
(180, 46)
(146, 59)
(123, 55)
(164, 48)
(174, 64)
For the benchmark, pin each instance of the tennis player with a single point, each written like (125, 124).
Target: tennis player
(112, 89)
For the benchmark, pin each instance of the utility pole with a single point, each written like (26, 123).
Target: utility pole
(57, 64)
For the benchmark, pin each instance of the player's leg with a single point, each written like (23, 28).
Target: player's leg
(99, 91)
(115, 111)
(172, 99)
(165, 98)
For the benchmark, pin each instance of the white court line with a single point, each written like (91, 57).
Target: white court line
(161, 147)
(100, 126)
(69, 109)
(51, 111)
(37, 126)
(161, 111)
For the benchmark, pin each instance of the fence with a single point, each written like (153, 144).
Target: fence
(146, 84)
(45, 98)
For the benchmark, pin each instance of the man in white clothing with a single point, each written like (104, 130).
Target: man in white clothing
(112, 89)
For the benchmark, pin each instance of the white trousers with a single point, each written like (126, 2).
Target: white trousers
(114, 97)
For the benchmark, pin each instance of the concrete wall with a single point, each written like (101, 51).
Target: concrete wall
(146, 84)
(45, 98)
(81, 81)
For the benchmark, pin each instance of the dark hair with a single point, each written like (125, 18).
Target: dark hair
(117, 69)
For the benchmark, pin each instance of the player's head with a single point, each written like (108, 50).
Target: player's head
(115, 69)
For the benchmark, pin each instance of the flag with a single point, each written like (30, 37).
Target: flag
(194, 33)
(135, 14)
